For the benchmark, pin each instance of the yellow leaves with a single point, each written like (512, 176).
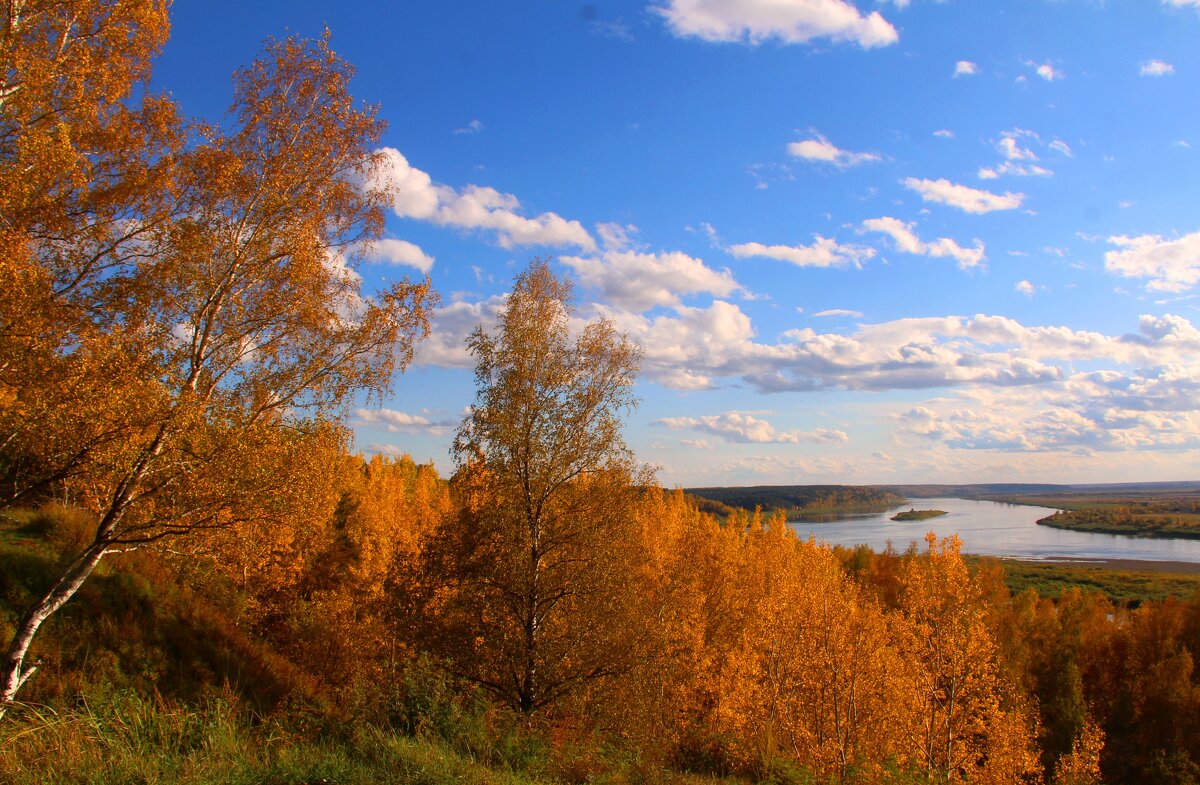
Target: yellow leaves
(1082, 765)
(959, 721)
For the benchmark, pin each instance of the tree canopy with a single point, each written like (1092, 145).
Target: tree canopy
(546, 484)
(186, 320)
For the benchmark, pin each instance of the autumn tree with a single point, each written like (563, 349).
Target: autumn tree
(965, 722)
(536, 566)
(84, 171)
(813, 683)
(197, 333)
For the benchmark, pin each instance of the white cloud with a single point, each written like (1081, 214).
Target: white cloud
(1183, 3)
(393, 421)
(415, 195)
(1140, 388)
(1013, 170)
(755, 21)
(381, 448)
(823, 252)
(1157, 67)
(1045, 70)
(1025, 288)
(1171, 265)
(971, 200)
(1019, 157)
(906, 241)
(944, 133)
(965, 68)
(698, 346)
(840, 312)
(1009, 145)
(616, 237)
(640, 281)
(1085, 413)
(821, 150)
(446, 345)
(401, 252)
(739, 428)
(473, 127)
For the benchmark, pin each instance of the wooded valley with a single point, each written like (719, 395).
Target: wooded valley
(202, 581)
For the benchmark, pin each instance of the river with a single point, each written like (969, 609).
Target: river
(994, 529)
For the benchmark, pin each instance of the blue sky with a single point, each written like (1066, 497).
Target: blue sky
(896, 242)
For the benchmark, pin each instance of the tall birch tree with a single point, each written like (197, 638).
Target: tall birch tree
(188, 315)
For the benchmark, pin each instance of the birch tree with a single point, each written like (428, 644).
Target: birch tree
(190, 297)
(537, 600)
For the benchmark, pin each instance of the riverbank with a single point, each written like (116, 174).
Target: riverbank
(1121, 522)
(1127, 581)
(1127, 565)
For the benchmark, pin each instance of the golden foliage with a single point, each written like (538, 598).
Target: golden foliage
(535, 570)
(182, 315)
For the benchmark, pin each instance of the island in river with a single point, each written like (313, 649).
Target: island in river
(918, 515)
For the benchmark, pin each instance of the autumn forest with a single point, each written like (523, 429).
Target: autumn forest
(203, 581)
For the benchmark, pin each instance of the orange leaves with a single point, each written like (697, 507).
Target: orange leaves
(962, 716)
(814, 676)
(184, 315)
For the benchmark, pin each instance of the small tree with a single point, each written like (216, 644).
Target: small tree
(193, 309)
(538, 560)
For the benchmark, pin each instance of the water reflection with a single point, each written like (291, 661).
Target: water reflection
(992, 529)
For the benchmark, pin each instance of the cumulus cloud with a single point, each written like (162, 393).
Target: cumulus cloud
(1046, 70)
(1157, 67)
(906, 241)
(616, 237)
(637, 282)
(821, 150)
(1020, 160)
(1085, 413)
(1010, 145)
(739, 428)
(401, 252)
(839, 312)
(415, 195)
(381, 448)
(1141, 387)
(393, 421)
(473, 127)
(971, 200)
(1025, 288)
(696, 347)
(944, 133)
(446, 345)
(1171, 265)
(965, 68)
(755, 21)
(823, 252)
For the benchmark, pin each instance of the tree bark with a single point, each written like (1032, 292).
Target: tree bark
(14, 673)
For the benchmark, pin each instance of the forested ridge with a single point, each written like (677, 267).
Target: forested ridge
(202, 581)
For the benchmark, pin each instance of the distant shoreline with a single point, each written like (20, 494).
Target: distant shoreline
(1129, 565)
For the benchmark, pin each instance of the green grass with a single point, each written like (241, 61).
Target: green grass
(137, 741)
(1124, 586)
(134, 740)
